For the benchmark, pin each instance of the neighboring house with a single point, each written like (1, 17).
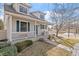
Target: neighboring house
(21, 24)
(50, 25)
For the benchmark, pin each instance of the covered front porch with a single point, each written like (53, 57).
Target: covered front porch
(19, 28)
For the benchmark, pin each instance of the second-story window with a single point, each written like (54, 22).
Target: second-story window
(22, 9)
(41, 16)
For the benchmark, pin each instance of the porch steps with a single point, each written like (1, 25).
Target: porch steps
(57, 44)
(48, 41)
(51, 42)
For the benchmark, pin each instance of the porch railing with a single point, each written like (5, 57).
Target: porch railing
(22, 35)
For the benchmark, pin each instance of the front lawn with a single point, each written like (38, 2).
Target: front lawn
(69, 42)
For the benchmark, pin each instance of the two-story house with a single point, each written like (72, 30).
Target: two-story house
(21, 24)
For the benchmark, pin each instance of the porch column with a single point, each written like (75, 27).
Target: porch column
(10, 28)
(35, 28)
(6, 22)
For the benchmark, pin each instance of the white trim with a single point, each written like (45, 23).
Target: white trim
(19, 26)
(23, 20)
(27, 27)
(23, 5)
(10, 33)
(23, 16)
(20, 32)
(35, 28)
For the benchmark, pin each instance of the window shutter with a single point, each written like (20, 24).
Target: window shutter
(28, 26)
(17, 26)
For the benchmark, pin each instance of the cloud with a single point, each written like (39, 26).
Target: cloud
(47, 14)
(2, 17)
(1, 10)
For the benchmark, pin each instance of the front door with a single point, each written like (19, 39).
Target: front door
(36, 29)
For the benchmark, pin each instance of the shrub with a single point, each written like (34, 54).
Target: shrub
(41, 39)
(1, 24)
(8, 51)
(22, 45)
(3, 40)
(49, 37)
(4, 44)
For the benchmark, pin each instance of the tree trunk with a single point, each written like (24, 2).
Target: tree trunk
(68, 32)
(57, 33)
(75, 32)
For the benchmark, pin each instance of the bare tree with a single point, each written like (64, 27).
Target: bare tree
(58, 16)
(76, 26)
(62, 15)
(1, 25)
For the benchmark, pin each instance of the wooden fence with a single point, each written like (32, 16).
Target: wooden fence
(3, 34)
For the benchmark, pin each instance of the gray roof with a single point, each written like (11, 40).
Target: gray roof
(10, 8)
(38, 12)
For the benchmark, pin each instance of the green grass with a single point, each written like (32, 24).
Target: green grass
(8, 51)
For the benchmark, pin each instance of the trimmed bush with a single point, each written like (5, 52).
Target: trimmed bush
(8, 51)
(49, 37)
(22, 45)
(3, 40)
(4, 44)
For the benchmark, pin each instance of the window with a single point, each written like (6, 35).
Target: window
(23, 26)
(43, 26)
(22, 9)
(17, 27)
(40, 26)
(41, 16)
(34, 27)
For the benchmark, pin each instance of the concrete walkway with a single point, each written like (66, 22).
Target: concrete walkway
(57, 44)
(44, 49)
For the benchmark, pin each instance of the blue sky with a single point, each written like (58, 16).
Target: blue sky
(1, 10)
(45, 7)
(50, 6)
(40, 6)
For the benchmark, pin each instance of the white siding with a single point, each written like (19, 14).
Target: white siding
(21, 35)
(32, 34)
